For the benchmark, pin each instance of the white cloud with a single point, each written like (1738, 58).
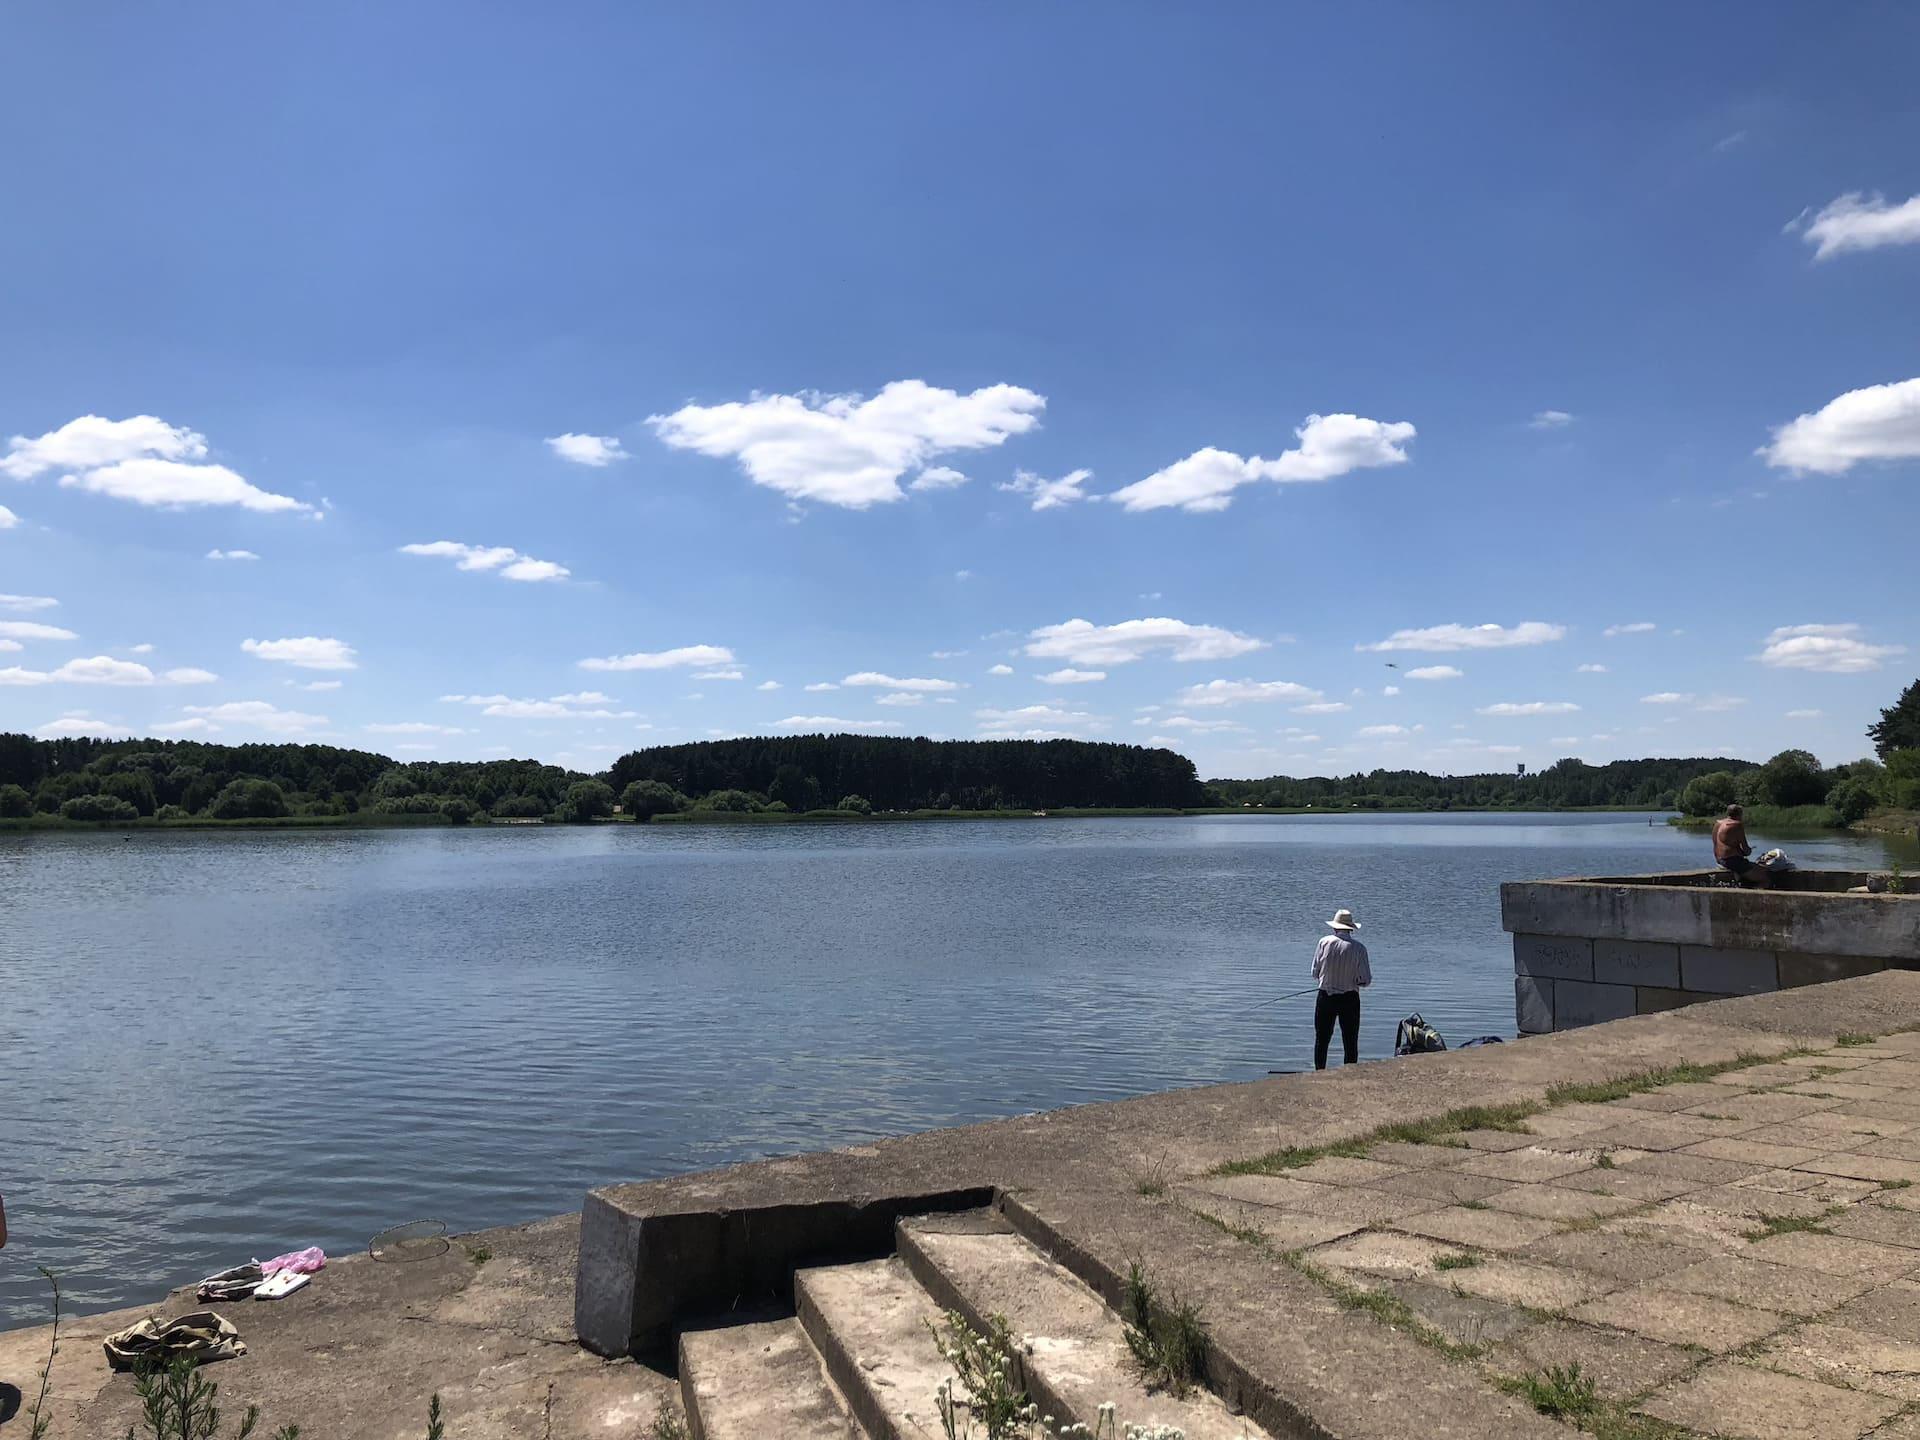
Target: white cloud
(412, 727)
(1804, 714)
(1590, 669)
(1435, 672)
(1389, 689)
(1440, 639)
(685, 655)
(1565, 742)
(728, 674)
(1000, 670)
(831, 723)
(259, 715)
(1323, 707)
(583, 697)
(1374, 731)
(511, 564)
(33, 630)
(1187, 722)
(7, 518)
(768, 685)
(1084, 643)
(501, 707)
(820, 686)
(27, 602)
(231, 555)
(1030, 715)
(140, 649)
(1708, 703)
(1550, 420)
(595, 450)
(843, 449)
(1879, 422)
(1242, 692)
(1859, 221)
(1635, 627)
(1049, 494)
(77, 726)
(901, 697)
(1529, 707)
(316, 684)
(946, 654)
(103, 670)
(1071, 676)
(892, 682)
(8, 646)
(1667, 697)
(198, 725)
(142, 459)
(1835, 649)
(307, 652)
(1721, 702)
(937, 477)
(1330, 446)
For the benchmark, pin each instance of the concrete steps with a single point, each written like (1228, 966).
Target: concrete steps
(858, 1360)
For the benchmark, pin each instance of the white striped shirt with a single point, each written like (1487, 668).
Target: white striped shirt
(1340, 965)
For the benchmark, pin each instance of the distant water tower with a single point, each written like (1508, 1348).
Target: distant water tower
(1522, 767)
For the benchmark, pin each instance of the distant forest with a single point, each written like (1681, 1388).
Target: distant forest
(1654, 784)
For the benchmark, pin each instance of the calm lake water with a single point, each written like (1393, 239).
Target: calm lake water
(225, 1045)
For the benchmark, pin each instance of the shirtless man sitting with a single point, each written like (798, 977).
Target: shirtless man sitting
(1732, 852)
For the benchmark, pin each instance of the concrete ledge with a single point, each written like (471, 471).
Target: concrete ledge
(1577, 1002)
(1728, 972)
(1636, 962)
(1553, 957)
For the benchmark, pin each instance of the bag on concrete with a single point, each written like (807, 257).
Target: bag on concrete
(1416, 1037)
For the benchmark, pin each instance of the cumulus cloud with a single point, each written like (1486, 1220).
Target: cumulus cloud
(726, 674)
(7, 518)
(27, 602)
(259, 715)
(1835, 649)
(1439, 639)
(1049, 494)
(1242, 692)
(820, 686)
(768, 685)
(1709, 703)
(316, 684)
(1590, 669)
(501, 707)
(306, 652)
(829, 723)
(142, 459)
(81, 725)
(873, 678)
(510, 563)
(1861, 221)
(1635, 627)
(1804, 714)
(231, 555)
(197, 725)
(411, 727)
(1529, 707)
(1000, 670)
(845, 449)
(937, 477)
(1435, 672)
(594, 450)
(1188, 722)
(33, 630)
(1323, 707)
(1084, 643)
(1070, 676)
(1375, 731)
(901, 697)
(1879, 422)
(684, 656)
(104, 670)
(1550, 420)
(1026, 717)
(1330, 446)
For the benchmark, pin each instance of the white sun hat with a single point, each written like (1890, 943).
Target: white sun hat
(1343, 920)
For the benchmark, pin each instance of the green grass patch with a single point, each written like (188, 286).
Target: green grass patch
(1604, 1161)
(1851, 1039)
(1895, 1184)
(1461, 1261)
(1566, 1392)
(1771, 1225)
(1239, 1232)
(1388, 1309)
(479, 1254)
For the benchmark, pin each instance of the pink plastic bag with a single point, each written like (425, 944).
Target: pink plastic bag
(301, 1262)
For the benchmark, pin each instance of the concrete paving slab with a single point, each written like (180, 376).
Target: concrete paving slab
(1770, 1108)
(1280, 1191)
(1807, 1133)
(1623, 1258)
(1675, 1317)
(1283, 1229)
(1345, 1170)
(1672, 1131)
(1834, 1254)
(1759, 1077)
(1416, 1157)
(1627, 1183)
(1895, 1112)
(1750, 1202)
(1382, 1255)
(1829, 1189)
(1565, 1120)
(1556, 1203)
(1898, 1147)
(1869, 1121)
(870, 1322)
(1687, 1094)
(1524, 1166)
(1703, 1170)
(1746, 1151)
(1853, 1359)
(1675, 1222)
(1891, 1309)
(746, 1382)
(1463, 1319)
(1443, 1187)
(1789, 1289)
(1481, 1229)
(1519, 1282)
(1623, 1366)
(1880, 1224)
(1877, 1168)
(1833, 1088)
(1737, 1400)
(1493, 1140)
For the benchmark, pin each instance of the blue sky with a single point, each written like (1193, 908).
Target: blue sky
(666, 338)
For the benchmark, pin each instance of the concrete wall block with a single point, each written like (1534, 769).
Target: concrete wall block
(1577, 1003)
(1728, 972)
(1636, 962)
(1652, 999)
(1553, 957)
(1797, 968)
(1532, 1005)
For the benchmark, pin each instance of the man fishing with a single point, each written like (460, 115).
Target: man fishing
(1340, 966)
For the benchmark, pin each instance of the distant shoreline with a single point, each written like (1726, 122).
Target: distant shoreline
(56, 823)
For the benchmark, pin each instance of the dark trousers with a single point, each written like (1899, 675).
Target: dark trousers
(1327, 1009)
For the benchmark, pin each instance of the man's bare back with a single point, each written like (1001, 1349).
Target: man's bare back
(1732, 852)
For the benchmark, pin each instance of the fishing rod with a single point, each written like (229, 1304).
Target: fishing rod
(1292, 995)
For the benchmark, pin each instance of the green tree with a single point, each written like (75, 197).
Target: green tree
(15, 803)
(1851, 799)
(732, 801)
(457, 809)
(1793, 777)
(794, 788)
(1898, 727)
(644, 799)
(854, 805)
(1708, 794)
(133, 786)
(589, 800)
(1901, 787)
(98, 807)
(249, 800)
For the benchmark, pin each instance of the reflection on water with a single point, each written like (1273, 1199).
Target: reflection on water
(228, 1045)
